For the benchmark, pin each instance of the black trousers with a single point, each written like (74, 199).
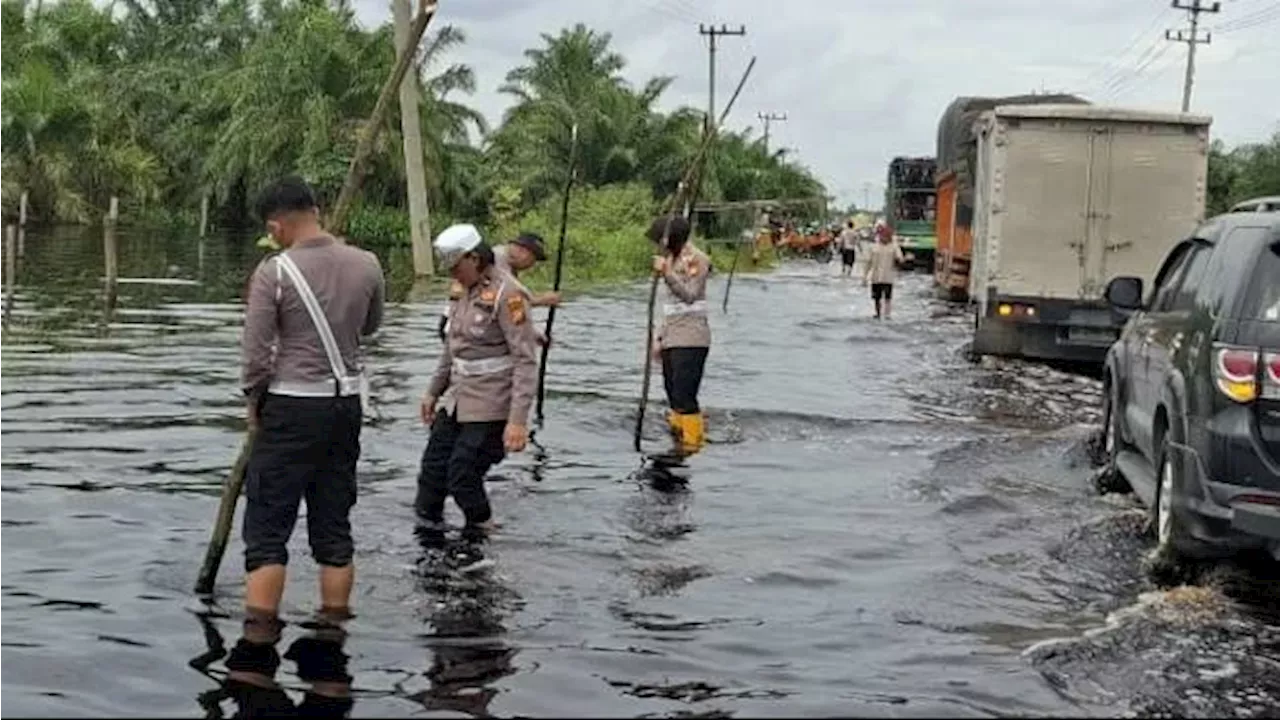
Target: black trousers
(305, 448)
(456, 459)
(848, 256)
(682, 376)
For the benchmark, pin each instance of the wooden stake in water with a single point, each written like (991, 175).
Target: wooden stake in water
(204, 215)
(10, 267)
(110, 253)
(564, 226)
(24, 205)
(222, 525)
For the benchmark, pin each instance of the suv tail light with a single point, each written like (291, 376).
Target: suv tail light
(1271, 376)
(1235, 372)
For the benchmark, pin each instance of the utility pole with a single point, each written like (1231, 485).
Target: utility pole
(866, 196)
(768, 118)
(411, 132)
(1192, 38)
(712, 32)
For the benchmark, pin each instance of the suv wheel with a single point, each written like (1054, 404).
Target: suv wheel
(1175, 546)
(1108, 478)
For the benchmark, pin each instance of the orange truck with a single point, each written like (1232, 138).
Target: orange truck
(954, 178)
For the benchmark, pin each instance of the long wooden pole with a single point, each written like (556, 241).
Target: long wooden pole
(222, 525)
(564, 226)
(684, 187)
(355, 174)
(369, 132)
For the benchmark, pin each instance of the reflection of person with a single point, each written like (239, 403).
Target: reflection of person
(685, 336)
(486, 376)
(462, 673)
(322, 665)
(308, 310)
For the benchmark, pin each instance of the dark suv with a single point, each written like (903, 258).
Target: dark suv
(1191, 415)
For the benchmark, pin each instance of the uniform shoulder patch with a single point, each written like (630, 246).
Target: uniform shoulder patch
(516, 306)
(489, 295)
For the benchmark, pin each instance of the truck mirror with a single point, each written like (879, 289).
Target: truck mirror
(1125, 293)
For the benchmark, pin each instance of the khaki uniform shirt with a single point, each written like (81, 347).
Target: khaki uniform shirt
(848, 239)
(280, 340)
(490, 320)
(684, 307)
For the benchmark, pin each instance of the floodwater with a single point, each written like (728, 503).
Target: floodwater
(878, 528)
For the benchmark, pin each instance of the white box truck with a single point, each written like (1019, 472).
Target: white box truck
(1066, 197)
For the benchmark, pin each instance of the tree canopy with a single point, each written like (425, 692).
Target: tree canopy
(162, 102)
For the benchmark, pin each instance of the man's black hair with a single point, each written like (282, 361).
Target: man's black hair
(290, 194)
(677, 234)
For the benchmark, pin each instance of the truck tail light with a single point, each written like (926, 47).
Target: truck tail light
(1235, 372)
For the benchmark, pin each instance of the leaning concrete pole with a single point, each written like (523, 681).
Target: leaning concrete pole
(411, 131)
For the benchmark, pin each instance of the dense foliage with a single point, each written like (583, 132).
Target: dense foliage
(162, 102)
(1244, 172)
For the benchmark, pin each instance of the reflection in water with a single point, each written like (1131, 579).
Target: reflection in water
(249, 680)
(466, 610)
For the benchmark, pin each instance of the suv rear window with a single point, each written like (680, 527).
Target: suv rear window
(1263, 299)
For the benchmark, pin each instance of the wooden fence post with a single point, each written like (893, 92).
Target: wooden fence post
(204, 215)
(10, 267)
(110, 252)
(24, 203)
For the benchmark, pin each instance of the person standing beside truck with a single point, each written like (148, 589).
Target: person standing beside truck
(883, 260)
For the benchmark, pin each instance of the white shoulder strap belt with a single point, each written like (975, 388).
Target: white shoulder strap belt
(343, 384)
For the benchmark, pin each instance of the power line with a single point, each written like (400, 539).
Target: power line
(1124, 76)
(1265, 16)
(1111, 68)
(1125, 84)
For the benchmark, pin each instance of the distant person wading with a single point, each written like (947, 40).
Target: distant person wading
(308, 308)
(883, 260)
(684, 339)
(848, 242)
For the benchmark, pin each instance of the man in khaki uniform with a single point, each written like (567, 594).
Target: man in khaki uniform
(487, 377)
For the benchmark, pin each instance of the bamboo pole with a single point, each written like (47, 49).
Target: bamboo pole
(369, 132)
(204, 215)
(226, 514)
(110, 253)
(564, 226)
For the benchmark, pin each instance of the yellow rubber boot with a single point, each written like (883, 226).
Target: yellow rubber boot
(673, 423)
(692, 433)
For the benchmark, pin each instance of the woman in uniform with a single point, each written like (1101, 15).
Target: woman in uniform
(684, 338)
(486, 377)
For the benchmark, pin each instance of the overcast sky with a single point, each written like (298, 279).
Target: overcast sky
(864, 80)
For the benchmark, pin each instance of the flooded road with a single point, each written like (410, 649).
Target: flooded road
(877, 527)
